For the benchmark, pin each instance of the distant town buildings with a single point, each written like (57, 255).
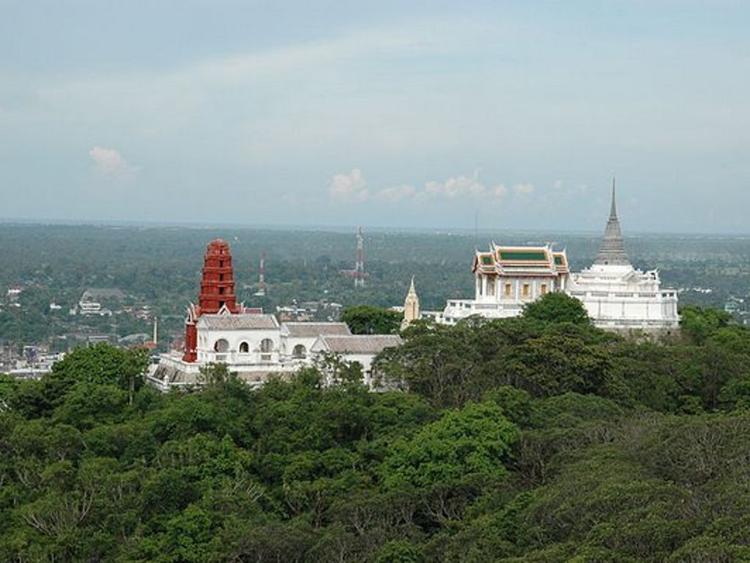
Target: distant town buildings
(90, 303)
(322, 310)
(13, 294)
(33, 363)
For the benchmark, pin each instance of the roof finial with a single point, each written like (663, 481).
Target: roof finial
(613, 208)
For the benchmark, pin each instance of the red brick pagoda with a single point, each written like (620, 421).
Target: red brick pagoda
(216, 294)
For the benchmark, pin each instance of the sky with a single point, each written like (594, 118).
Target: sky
(419, 114)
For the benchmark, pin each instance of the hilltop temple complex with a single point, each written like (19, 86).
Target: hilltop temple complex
(616, 295)
(257, 346)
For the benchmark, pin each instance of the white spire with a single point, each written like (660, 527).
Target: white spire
(411, 306)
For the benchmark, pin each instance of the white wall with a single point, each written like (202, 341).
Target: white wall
(208, 337)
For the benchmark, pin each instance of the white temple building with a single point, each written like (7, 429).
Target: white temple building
(359, 348)
(508, 277)
(619, 297)
(616, 295)
(256, 347)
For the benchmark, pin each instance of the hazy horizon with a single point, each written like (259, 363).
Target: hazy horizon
(351, 229)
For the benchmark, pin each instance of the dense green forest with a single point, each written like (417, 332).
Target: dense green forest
(539, 438)
(160, 267)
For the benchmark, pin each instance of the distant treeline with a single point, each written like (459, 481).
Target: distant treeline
(160, 266)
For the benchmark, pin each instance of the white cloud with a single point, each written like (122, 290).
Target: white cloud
(396, 193)
(349, 187)
(557, 184)
(109, 162)
(353, 187)
(464, 187)
(458, 186)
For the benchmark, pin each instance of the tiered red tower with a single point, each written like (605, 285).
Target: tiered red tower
(216, 294)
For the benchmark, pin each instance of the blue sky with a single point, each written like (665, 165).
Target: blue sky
(404, 114)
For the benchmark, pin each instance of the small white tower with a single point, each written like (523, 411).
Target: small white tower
(411, 306)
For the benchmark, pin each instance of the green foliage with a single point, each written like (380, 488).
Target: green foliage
(698, 323)
(366, 319)
(515, 404)
(215, 374)
(471, 443)
(99, 364)
(399, 552)
(458, 364)
(512, 440)
(557, 307)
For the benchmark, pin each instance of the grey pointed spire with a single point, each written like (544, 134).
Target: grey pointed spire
(612, 250)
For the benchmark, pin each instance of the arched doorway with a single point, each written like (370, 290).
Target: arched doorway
(299, 352)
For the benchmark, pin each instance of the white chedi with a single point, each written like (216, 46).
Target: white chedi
(616, 295)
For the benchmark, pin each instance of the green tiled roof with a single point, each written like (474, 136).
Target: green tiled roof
(559, 260)
(487, 260)
(522, 255)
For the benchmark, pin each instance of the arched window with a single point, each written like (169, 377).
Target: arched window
(244, 347)
(221, 345)
(266, 345)
(299, 351)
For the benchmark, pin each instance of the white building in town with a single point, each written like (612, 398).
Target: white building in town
(616, 295)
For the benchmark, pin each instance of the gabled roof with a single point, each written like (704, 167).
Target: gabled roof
(534, 260)
(561, 261)
(358, 344)
(238, 322)
(312, 330)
